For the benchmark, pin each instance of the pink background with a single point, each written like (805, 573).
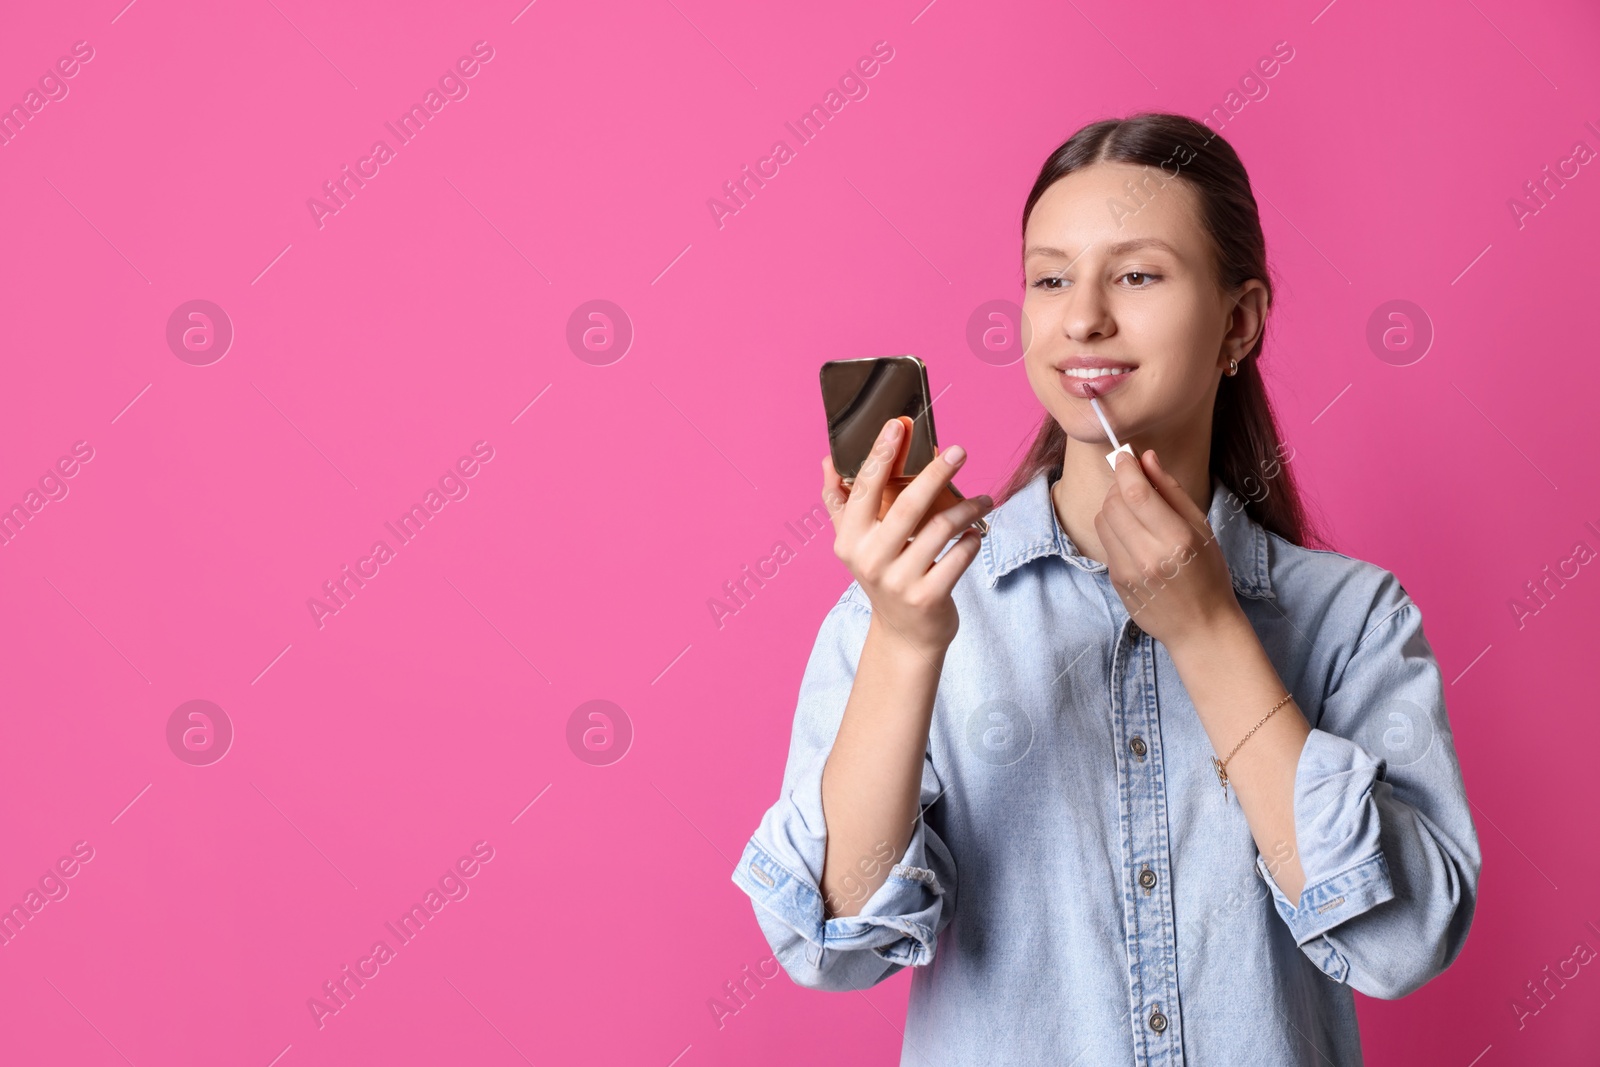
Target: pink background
(371, 353)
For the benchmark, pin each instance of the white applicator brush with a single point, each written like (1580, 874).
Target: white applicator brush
(1111, 457)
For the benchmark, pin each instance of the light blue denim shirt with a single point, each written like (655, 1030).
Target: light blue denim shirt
(1079, 890)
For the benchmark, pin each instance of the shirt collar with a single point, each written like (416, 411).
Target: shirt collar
(1025, 528)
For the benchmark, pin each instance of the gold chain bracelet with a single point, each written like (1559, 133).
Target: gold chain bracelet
(1222, 765)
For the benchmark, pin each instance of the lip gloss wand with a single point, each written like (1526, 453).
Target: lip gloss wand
(1111, 457)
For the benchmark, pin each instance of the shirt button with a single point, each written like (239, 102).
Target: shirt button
(1136, 743)
(1147, 878)
(1158, 1022)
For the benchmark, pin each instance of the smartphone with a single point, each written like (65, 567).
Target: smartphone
(858, 397)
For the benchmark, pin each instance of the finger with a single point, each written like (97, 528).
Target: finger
(1121, 566)
(834, 492)
(1172, 490)
(861, 509)
(1129, 527)
(943, 575)
(1141, 560)
(918, 556)
(906, 514)
(1142, 498)
(1163, 525)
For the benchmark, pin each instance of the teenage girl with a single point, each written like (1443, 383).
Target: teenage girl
(1139, 776)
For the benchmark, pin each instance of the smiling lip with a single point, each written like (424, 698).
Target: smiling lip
(1088, 388)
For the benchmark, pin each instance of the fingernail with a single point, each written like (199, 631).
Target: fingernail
(891, 430)
(955, 455)
(986, 501)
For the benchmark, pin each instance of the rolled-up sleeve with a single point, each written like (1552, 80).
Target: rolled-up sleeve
(1383, 829)
(781, 868)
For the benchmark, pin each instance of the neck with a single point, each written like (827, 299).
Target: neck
(1086, 478)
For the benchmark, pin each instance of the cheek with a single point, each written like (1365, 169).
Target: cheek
(1035, 317)
(1039, 327)
(1042, 378)
(1174, 338)
(1154, 324)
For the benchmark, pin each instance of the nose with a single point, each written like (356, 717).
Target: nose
(1088, 314)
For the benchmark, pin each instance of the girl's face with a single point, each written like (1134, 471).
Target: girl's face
(1118, 269)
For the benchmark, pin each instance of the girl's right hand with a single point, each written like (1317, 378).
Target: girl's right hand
(909, 590)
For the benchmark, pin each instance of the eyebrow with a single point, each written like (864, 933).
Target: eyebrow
(1116, 250)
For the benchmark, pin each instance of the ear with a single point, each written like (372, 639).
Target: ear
(1246, 322)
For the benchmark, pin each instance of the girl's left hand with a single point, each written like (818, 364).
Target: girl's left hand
(1163, 558)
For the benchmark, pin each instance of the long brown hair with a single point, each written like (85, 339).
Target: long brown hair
(1246, 451)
